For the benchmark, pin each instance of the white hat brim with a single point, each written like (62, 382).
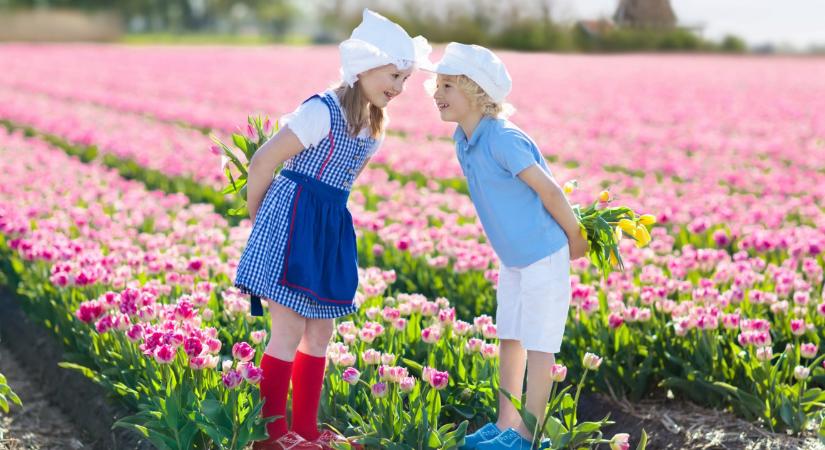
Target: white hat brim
(444, 69)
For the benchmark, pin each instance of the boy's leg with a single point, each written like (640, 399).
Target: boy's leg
(538, 387)
(512, 359)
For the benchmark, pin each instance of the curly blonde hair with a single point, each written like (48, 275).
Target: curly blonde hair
(477, 96)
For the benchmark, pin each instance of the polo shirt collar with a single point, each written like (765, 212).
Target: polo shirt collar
(459, 135)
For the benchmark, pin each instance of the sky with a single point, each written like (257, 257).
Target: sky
(799, 23)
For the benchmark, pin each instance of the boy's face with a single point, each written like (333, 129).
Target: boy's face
(452, 104)
(382, 84)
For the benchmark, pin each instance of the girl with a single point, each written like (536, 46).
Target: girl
(527, 220)
(301, 254)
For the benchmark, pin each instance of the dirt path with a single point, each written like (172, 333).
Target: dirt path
(38, 424)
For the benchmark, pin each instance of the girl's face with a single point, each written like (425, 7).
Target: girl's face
(452, 104)
(382, 84)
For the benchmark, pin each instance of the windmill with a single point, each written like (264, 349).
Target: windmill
(645, 14)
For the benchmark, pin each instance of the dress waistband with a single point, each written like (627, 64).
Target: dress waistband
(318, 187)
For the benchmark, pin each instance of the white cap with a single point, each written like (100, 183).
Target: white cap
(480, 65)
(377, 41)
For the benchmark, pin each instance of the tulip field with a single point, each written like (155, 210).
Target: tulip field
(116, 237)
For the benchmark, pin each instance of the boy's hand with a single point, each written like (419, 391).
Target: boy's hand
(578, 246)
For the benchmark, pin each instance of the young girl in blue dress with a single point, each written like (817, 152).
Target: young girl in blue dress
(301, 254)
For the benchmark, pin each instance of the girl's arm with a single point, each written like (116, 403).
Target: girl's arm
(284, 145)
(362, 169)
(555, 202)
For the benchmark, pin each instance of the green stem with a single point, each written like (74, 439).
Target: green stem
(576, 400)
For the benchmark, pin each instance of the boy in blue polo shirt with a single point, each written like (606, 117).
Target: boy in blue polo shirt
(529, 223)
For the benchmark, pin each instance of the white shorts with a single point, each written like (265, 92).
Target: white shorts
(533, 302)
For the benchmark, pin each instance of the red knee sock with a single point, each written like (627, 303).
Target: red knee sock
(307, 380)
(274, 389)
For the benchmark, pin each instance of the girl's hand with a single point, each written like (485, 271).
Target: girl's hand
(270, 156)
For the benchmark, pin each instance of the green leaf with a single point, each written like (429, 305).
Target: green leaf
(87, 372)
(642, 441)
(435, 441)
(786, 411)
(239, 141)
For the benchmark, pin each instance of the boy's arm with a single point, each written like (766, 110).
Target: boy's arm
(555, 202)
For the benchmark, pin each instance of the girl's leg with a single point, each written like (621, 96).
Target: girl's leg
(308, 377)
(538, 387)
(276, 363)
(511, 378)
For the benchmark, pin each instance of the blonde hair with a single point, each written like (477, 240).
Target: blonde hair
(478, 98)
(360, 113)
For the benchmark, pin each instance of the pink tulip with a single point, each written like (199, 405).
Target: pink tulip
(232, 379)
(135, 333)
(615, 321)
(801, 373)
(558, 373)
(620, 441)
(251, 373)
(351, 375)
(379, 390)
(474, 345)
(257, 337)
(164, 354)
(400, 324)
(489, 351)
(438, 379)
(242, 351)
(192, 347)
(489, 331)
(764, 353)
(345, 359)
(407, 384)
(808, 350)
(430, 335)
(798, 327)
(371, 356)
(591, 361)
(387, 358)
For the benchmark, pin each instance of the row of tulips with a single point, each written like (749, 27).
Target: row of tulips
(427, 225)
(796, 241)
(135, 284)
(654, 365)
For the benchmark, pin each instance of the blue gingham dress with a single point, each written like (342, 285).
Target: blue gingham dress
(261, 262)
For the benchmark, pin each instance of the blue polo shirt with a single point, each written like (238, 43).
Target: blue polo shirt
(515, 221)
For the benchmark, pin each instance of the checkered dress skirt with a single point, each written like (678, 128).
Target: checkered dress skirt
(338, 159)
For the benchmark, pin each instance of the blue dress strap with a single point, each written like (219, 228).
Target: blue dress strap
(331, 106)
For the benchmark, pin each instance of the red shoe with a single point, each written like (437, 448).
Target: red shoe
(329, 437)
(289, 441)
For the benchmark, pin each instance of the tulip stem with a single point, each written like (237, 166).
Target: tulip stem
(576, 400)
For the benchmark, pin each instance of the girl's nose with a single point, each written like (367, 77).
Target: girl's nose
(399, 87)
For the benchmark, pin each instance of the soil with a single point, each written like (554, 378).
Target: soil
(62, 409)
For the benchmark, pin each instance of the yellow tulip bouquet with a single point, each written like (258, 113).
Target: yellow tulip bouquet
(603, 226)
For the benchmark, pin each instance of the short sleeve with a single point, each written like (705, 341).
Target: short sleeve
(309, 122)
(513, 151)
(376, 145)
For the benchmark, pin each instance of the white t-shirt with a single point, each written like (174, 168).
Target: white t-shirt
(310, 123)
